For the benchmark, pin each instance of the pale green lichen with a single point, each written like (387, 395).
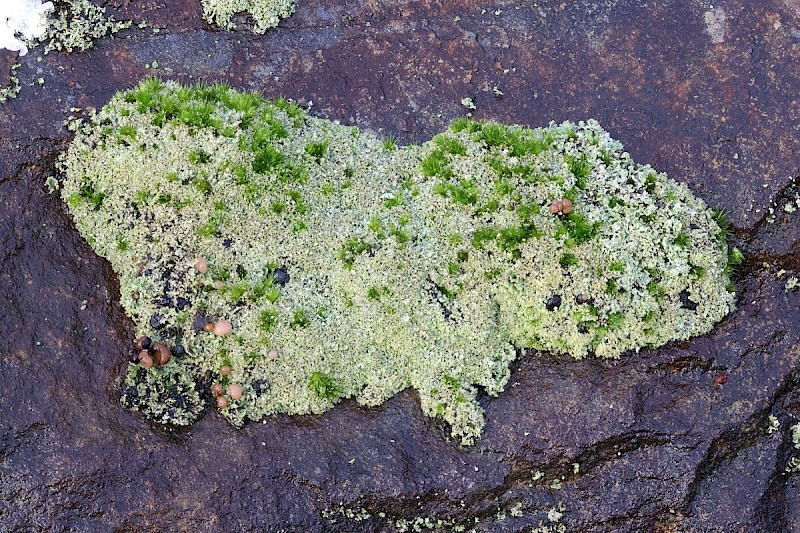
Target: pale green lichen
(76, 24)
(266, 13)
(794, 461)
(11, 91)
(372, 268)
(773, 424)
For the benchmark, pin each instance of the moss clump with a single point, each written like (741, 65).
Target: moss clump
(351, 270)
(266, 13)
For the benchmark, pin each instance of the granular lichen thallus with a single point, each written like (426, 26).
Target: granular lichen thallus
(285, 262)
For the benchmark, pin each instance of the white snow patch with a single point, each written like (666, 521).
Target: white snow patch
(22, 19)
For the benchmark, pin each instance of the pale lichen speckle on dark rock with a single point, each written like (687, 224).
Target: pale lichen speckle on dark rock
(371, 268)
(266, 13)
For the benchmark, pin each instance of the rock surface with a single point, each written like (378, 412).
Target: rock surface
(669, 440)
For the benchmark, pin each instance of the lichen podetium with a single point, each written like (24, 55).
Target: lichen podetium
(369, 268)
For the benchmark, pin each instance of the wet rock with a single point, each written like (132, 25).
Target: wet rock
(658, 446)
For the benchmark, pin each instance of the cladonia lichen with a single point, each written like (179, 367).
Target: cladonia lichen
(266, 13)
(350, 267)
(77, 24)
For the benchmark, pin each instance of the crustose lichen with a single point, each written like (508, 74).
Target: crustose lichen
(290, 261)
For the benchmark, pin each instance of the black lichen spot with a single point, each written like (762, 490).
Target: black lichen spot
(165, 300)
(178, 350)
(169, 269)
(554, 302)
(182, 303)
(687, 303)
(281, 276)
(261, 386)
(227, 243)
(200, 321)
(131, 392)
(157, 321)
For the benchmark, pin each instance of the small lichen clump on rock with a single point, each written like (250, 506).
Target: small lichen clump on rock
(77, 24)
(350, 267)
(266, 13)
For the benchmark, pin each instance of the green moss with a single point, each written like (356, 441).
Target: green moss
(324, 386)
(465, 124)
(465, 192)
(568, 260)
(681, 240)
(299, 319)
(198, 157)
(371, 270)
(449, 145)
(579, 228)
(436, 164)
(352, 248)
(317, 149)
(267, 320)
(580, 168)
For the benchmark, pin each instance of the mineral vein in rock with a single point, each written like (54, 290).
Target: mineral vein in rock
(350, 267)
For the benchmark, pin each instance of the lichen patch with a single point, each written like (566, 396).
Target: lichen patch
(265, 13)
(296, 261)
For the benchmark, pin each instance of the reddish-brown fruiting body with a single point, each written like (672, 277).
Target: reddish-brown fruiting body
(201, 265)
(209, 327)
(273, 354)
(563, 207)
(145, 359)
(222, 328)
(235, 390)
(222, 402)
(161, 353)
(225, 370)
(217, 390)
(142, 343)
